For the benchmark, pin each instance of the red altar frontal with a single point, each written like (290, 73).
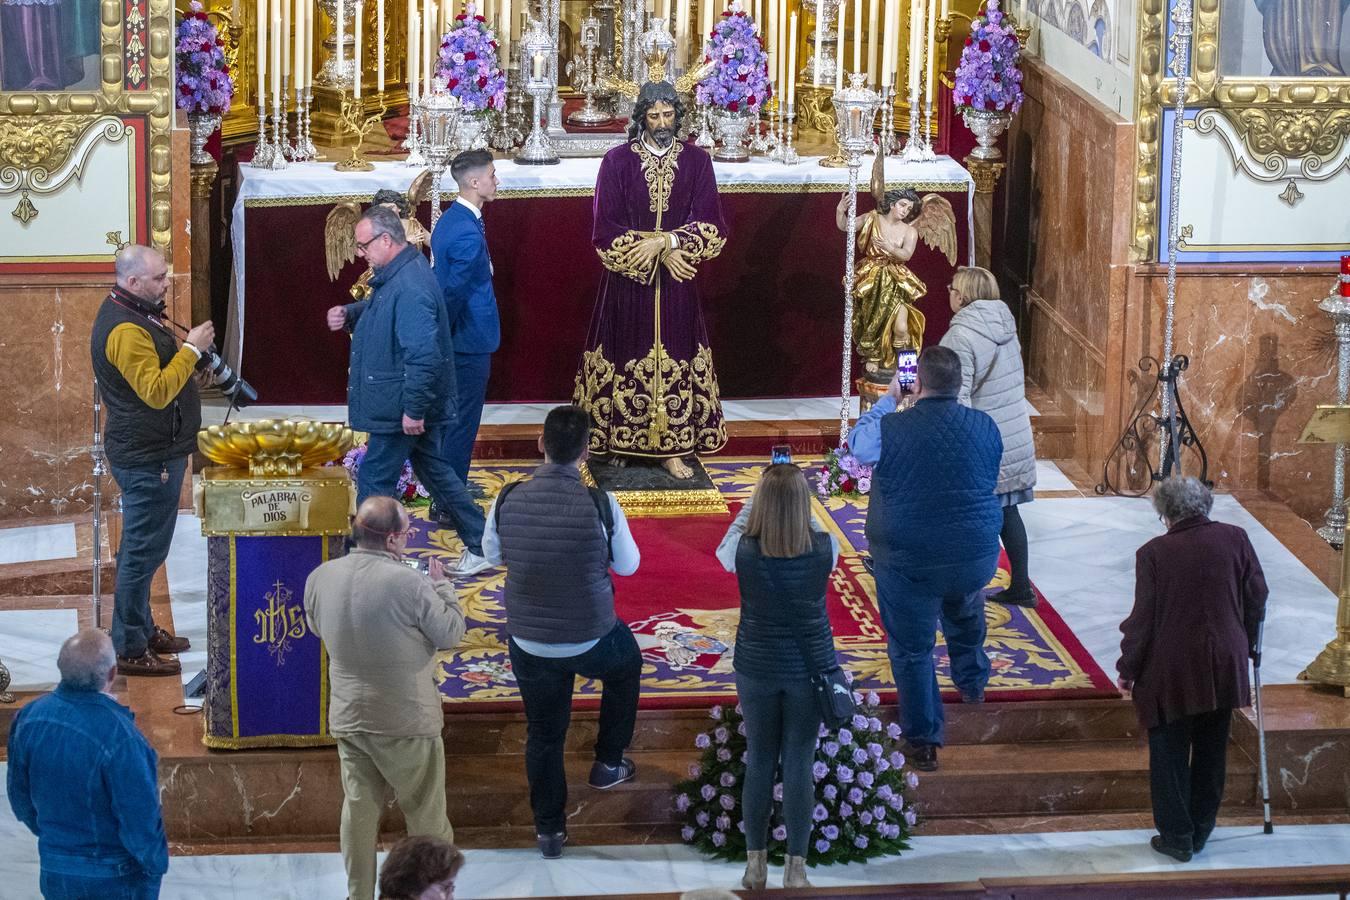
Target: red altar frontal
(773, 300)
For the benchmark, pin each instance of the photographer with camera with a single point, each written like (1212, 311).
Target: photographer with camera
(154, 414)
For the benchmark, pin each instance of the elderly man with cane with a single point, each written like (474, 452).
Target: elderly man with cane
(1200, 598)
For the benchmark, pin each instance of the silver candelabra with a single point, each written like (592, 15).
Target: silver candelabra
(1338, 308)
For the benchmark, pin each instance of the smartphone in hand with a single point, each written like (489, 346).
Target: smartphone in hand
(781, 453)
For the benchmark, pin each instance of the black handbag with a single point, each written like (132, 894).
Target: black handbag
(833, 693)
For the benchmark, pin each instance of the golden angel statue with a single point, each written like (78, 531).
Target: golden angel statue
(339, 229)
(885, 291)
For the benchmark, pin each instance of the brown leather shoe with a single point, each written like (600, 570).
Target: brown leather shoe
(164, 643)
(148, 663)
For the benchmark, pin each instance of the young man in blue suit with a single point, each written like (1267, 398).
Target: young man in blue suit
(460, 259)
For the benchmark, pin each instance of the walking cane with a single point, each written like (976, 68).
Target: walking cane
(1261, 728)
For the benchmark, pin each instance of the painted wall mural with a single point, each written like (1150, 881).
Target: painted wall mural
(1088, 24)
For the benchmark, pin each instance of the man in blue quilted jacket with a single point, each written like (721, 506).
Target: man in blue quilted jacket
(932, 526)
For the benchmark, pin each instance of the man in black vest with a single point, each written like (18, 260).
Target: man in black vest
(560, 540)
(154, 414)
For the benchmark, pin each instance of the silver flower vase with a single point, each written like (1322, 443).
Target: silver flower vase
(471, 131)
(986, 125)
(200, 128)
(730, 128)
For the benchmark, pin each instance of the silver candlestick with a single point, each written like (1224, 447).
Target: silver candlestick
(1338, 308)
(278, 160)
(262, 148)
(790, 157)
(286, 149)
(537, 49)
(914, 148)
(304, 141)
(586, 75)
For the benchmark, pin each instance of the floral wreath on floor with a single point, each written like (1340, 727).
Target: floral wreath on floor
(409, 489)
(843, 475)
(863, 789)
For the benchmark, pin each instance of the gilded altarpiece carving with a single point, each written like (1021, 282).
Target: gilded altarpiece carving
(85, 140)
(1267, 137)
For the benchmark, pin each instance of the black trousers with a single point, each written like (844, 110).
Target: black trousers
(1187, 763)
(546, 691)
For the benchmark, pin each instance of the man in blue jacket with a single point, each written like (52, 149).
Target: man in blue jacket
(401, 383)
(932, 526)
(464, 271)
(85, 781)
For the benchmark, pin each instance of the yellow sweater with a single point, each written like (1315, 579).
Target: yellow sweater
(131, 349)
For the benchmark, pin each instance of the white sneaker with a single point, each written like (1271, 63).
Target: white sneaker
(470, 564)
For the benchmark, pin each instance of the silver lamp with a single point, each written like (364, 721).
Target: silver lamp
(855, 108)
(536, 48)
(438, 114)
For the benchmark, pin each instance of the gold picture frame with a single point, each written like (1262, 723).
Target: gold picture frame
(1289, 117)
(39, 129)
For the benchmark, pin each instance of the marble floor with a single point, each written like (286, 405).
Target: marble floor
(34, 543)
(624, 870)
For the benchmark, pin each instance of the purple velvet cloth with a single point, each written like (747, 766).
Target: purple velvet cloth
(34, 56)
(650, 387)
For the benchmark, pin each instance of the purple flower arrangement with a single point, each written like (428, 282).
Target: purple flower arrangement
(843, 475)
(739, 82)
(987, 77)
(468, 63)
(204, 84)
(409, 489)
(864, 794)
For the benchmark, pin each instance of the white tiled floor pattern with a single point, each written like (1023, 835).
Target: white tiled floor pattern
(34, 543)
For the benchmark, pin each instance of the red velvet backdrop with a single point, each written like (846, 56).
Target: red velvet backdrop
(773, 300)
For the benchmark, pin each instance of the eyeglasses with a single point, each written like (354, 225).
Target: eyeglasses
(362, 245)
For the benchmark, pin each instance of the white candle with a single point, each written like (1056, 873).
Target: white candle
(306, 40)
(379, 45)
(915, 62)
(360, 31)
(785, 75)
(873, 32)
(930, 84)
(447, 17)
(1021, 11)
(298, 51)
(665, 11)
(857, 35)
(705, 21)
(820, 46)
(792, 60)
(946, 8)
(682, 49)
(276, 59)
(537, 67)
(260, 26)
(341, 30)
(839, 48)
(414, 46)
(504, 33)
(284, 37)
(429, 54)
(888, 44)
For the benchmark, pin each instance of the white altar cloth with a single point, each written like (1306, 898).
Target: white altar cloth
(310, 183)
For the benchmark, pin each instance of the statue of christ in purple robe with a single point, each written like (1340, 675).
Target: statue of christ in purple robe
(646, 375)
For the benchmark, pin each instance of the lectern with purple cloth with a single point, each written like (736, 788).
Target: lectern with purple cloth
(272, 512)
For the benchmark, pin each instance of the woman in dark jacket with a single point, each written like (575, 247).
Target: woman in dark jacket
(1199, 599)
(783, 565)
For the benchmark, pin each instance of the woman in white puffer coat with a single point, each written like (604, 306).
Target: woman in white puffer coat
(984, 335)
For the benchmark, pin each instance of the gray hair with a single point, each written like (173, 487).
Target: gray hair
(133, 260)
(85, 660)
(1182, 497)
(384, 220)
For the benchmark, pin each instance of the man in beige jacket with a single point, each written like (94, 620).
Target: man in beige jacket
(383, 624)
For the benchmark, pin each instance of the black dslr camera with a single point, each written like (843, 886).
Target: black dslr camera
(238, 391)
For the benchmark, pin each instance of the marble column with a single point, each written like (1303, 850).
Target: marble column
(203, 180)
(986, 174)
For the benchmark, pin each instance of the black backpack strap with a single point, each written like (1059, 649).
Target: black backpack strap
(602, 505)
(501, 498)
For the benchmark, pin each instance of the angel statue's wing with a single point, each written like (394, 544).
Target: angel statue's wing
(419, 191)
(936, 224)
(878, 186)
(339, 236)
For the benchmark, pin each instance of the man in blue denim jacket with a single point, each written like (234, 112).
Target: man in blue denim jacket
(83, 779)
